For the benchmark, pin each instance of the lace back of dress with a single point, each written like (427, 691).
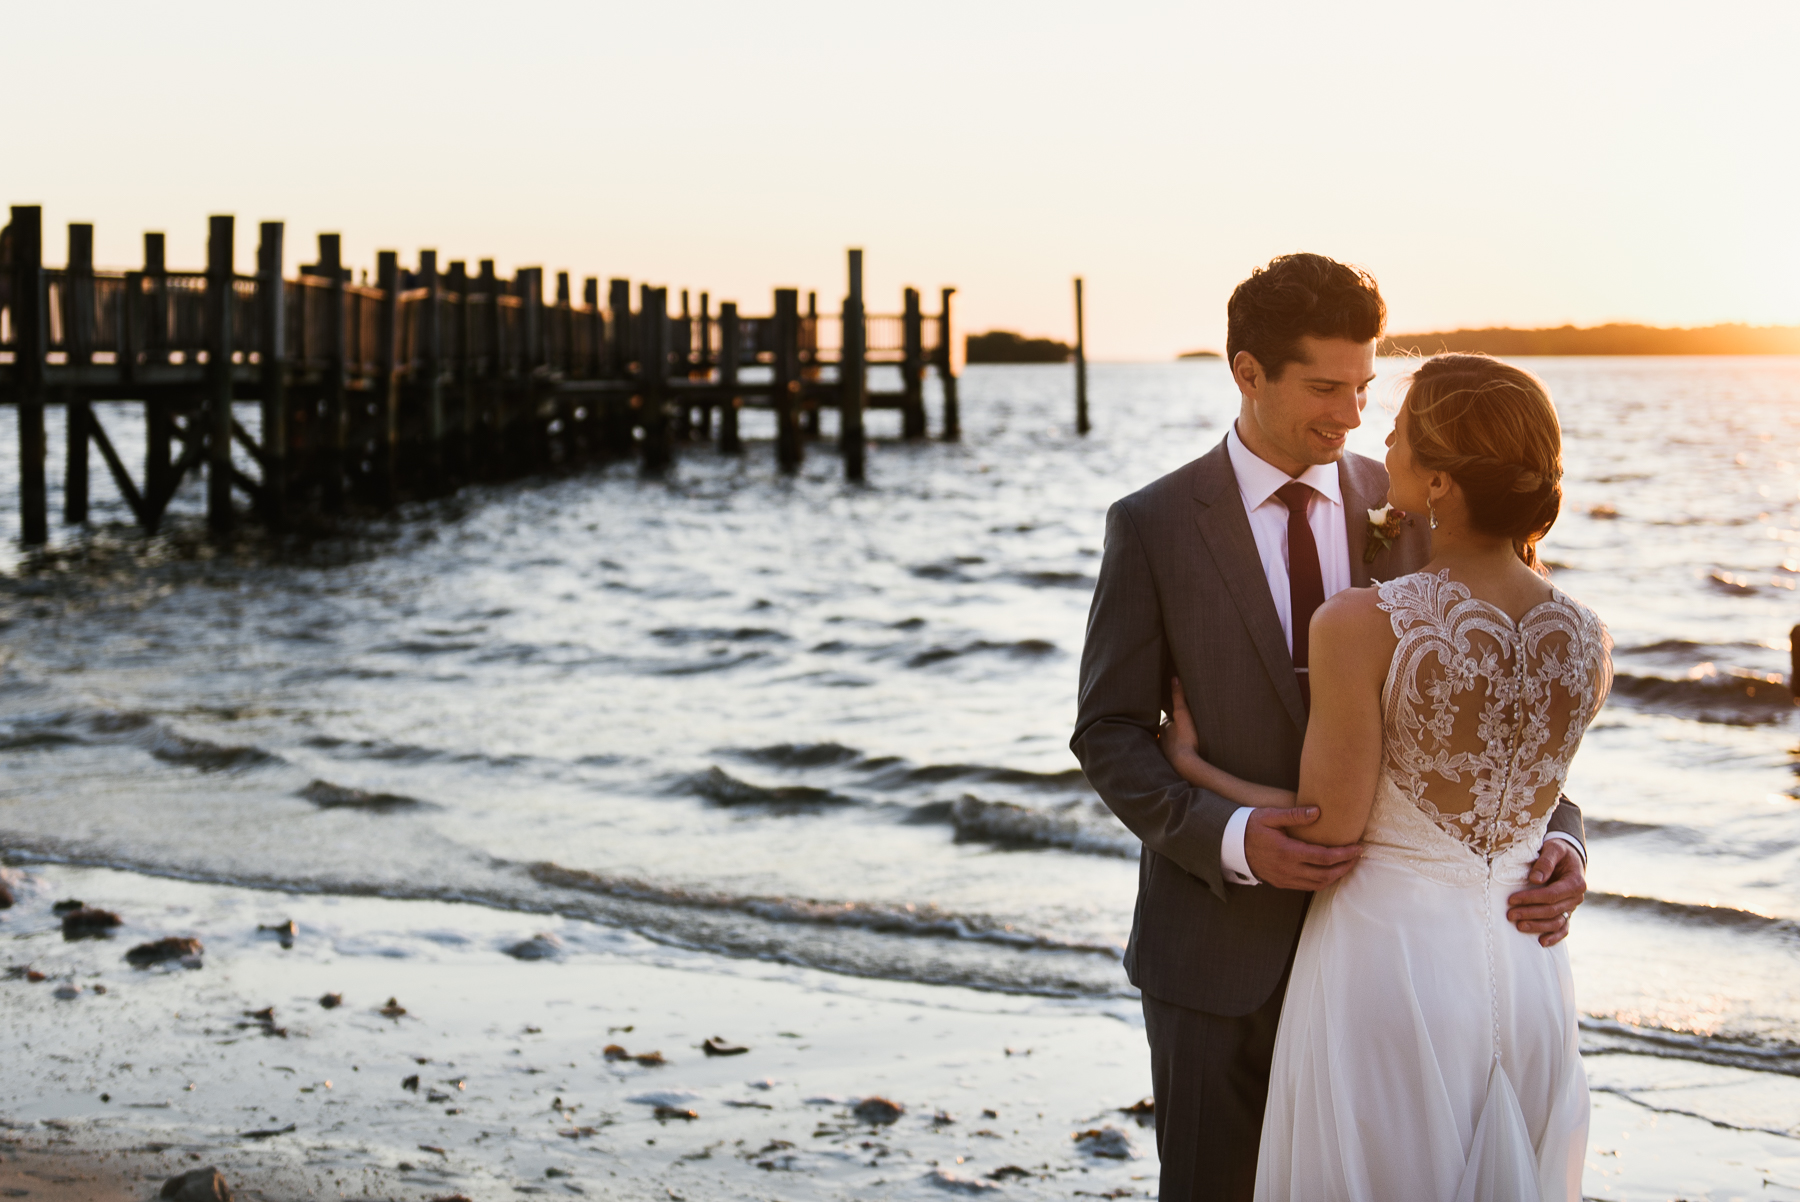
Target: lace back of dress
(1482, 715)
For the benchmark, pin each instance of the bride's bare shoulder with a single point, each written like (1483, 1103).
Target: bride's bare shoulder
(1353, 623)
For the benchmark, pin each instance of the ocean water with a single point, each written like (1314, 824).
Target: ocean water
(828, 726)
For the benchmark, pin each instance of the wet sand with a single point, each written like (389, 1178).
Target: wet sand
(497, 1079)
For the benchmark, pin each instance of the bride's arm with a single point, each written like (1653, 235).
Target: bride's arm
(1351, 643)
(1181, 747)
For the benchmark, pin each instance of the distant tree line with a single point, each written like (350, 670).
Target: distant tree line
(1004, 346)
(1615, 339)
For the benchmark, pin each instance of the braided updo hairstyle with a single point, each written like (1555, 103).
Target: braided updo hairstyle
(1492, 428)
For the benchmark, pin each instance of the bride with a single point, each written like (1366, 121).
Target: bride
(1427, 1049)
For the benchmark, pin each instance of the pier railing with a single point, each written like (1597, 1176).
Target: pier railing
(426, 379)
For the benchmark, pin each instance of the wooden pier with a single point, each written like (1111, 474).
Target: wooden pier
(430, 378)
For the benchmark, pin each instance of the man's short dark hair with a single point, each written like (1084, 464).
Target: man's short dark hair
(1295, 296)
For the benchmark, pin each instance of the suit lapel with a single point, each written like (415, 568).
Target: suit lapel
(1360, 490)
(1226, 528)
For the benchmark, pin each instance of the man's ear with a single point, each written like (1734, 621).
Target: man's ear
(1247, 372)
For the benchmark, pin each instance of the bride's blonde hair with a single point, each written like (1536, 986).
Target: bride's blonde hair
(1492, 427)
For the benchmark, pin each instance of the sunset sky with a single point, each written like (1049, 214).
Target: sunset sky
(1525, 164)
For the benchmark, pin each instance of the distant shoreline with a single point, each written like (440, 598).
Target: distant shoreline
(1613, 339)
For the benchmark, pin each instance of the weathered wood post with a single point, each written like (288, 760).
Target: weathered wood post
(681, 344)
(31, 328)
(221, 279)
(488, 437)
(912, 368)
(946, 374)
(1081, 405)
(529, 438)
(271, 294)
(790, 447)
(159, 423)
(653, 356)
(731, 346)
(78, 348)
(431, 368)
(335, 458)
(457, 451)
(387, 381)
(853, 378)
(809, 365)
(702, 369)
(617, 420)
(594, 367)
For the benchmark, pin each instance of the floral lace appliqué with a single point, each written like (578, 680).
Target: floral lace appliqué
(1482, 715)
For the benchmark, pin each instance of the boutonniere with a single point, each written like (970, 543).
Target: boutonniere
(1384, 528)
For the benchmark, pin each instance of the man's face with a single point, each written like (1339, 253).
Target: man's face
(1303, 418)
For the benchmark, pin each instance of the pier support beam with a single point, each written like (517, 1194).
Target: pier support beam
(617, 421)
(789, 444)
(946, 374)
(159, 423)
(431, 370)
(220, 280)
(30, 334)
(853, 377)
(333, 460)
(653, 366)
(78, 347)
(1081, 405)
(271, 346)
(912, 368)
(731, 349)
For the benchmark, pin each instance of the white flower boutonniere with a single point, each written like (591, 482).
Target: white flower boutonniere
(1384, 528)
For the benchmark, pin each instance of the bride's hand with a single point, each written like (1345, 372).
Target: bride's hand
(1179, 741)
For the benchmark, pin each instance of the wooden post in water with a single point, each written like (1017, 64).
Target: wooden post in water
(593, 368)
(271, 292)
(1081, 405)
(912, 368)
(78, 348)
(159, 424)
(681, 335)
(31, 328)
(853, 377)
(731, 344)
(334, 459)
(220, 346)
(653, 366)
(952, 411)
(617, 421)
(789, 444)
(809, 365)
(703, 368)
(489, 433)
(459, 420)
(431, 368)
(387, 381)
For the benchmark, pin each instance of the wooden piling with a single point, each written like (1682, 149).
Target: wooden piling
(853, 377)
(271, 295)
(703, 368)
(31, 329)
(809, 366)
(912, 367)
(731, 345)
(159, 423)
(789, 444)
(946, 374)
(78, 340)
(594, 367)
(459, 405)
(220, 346)
(387, 378)
(333, 459)
(430, 353)
(617, 420)
(1081, 404)
(653, 366)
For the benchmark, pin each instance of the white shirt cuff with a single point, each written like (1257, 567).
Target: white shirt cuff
(1231, 850)
(1571, 840)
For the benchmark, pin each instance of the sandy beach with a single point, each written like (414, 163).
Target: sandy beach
(497, 1079)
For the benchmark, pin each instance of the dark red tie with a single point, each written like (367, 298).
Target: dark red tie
(1306, 585)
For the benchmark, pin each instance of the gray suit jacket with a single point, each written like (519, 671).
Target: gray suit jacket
(1182, 592)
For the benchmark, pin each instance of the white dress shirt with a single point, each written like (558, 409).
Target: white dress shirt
(1257, 482)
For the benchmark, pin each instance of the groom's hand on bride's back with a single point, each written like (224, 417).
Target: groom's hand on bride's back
(1558, 885)
(1277, 858)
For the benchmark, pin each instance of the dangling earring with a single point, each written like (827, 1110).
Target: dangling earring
(1431, 510)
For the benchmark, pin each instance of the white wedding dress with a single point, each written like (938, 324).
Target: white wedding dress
(1427, 1049)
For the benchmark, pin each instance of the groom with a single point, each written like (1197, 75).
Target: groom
(1211, 574)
